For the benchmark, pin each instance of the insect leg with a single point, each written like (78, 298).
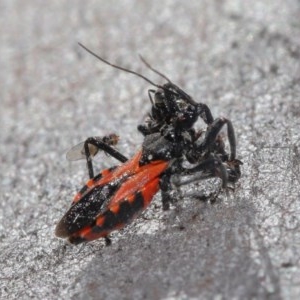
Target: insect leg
(205, 113)
(228, 171)
(211, 167)
(233, 170)
(165, 187)
(212, 134)
(101, 144)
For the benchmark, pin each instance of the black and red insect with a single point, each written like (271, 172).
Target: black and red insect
(115, 196)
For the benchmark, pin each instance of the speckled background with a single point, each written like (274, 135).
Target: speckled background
(242, 58)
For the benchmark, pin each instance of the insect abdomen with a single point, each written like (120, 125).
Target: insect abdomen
(117, 215)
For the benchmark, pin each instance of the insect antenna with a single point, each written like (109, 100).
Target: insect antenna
(118, 67)
(154, 70)
(174, 86)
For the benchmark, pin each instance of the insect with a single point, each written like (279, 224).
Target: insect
(115, 196)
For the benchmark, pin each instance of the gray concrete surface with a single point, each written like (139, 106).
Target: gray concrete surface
(240, 57)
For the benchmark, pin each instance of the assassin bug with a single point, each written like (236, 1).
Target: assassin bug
(115, 196)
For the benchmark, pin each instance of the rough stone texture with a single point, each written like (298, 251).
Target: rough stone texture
(240, 57)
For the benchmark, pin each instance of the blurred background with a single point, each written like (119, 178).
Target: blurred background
(241, 58)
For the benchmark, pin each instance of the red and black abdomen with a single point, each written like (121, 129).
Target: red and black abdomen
(110, 220)
(111, 200)
(128, 201)
(84, 211)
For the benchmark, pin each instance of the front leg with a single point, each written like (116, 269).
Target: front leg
(91, 146)
(213, 143)
(101, 144)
